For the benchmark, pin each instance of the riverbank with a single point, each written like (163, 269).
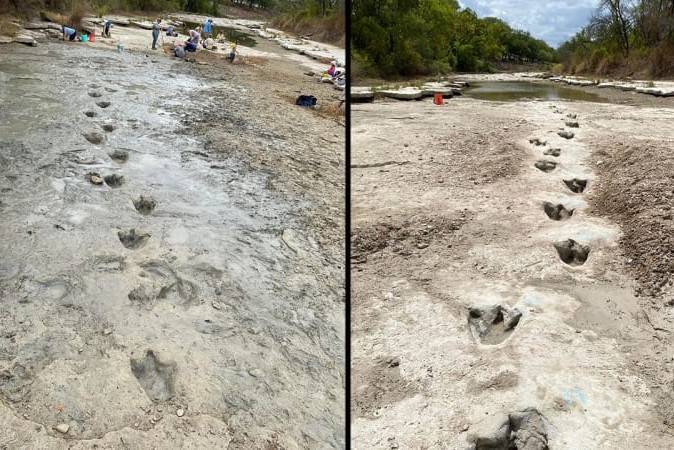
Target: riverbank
(471, 304)
(172, 252)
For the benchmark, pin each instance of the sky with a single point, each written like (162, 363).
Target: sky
(554, 21)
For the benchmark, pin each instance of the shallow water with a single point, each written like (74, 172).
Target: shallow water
(231, 34)
(512, 91)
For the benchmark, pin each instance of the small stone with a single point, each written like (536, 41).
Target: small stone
(215, 305)
(180, 412)
(62, 428)
(257, 373)
(422, 245)
(107, 331)
(94, 178)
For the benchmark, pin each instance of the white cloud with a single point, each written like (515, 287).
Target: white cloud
(554, 21)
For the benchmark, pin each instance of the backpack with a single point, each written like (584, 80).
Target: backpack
(306, 101)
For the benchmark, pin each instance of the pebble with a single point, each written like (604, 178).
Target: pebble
(107, 331)
(62, 428)
(180, 412)
(215, 305)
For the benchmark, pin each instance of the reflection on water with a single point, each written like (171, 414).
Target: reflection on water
(509, 91)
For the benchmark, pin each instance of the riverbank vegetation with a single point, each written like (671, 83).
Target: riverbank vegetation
(322, 20)
(407, 38)
(624, 38)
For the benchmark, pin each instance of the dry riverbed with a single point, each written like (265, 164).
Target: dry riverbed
(172, 253)
(512, 286)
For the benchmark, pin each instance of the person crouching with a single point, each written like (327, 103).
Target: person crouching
(68, 32)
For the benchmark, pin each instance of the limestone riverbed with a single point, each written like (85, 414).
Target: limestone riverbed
(171, 254)
(498, 299)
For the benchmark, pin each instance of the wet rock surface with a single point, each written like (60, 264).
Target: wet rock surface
(275, 336)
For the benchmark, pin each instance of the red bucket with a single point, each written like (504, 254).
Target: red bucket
(437, 99)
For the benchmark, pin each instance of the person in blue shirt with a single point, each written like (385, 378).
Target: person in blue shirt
(207, 28)
(69, 33)
(106, 28)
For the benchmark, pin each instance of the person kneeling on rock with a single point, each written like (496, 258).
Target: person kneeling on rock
(179, 51)
(193, 41)
(69, 33)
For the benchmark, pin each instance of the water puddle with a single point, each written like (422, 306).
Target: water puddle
(231, 34)
(512, 91)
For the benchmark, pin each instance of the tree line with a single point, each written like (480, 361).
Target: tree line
(392, 38)
(213, 7)
(624, 37)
